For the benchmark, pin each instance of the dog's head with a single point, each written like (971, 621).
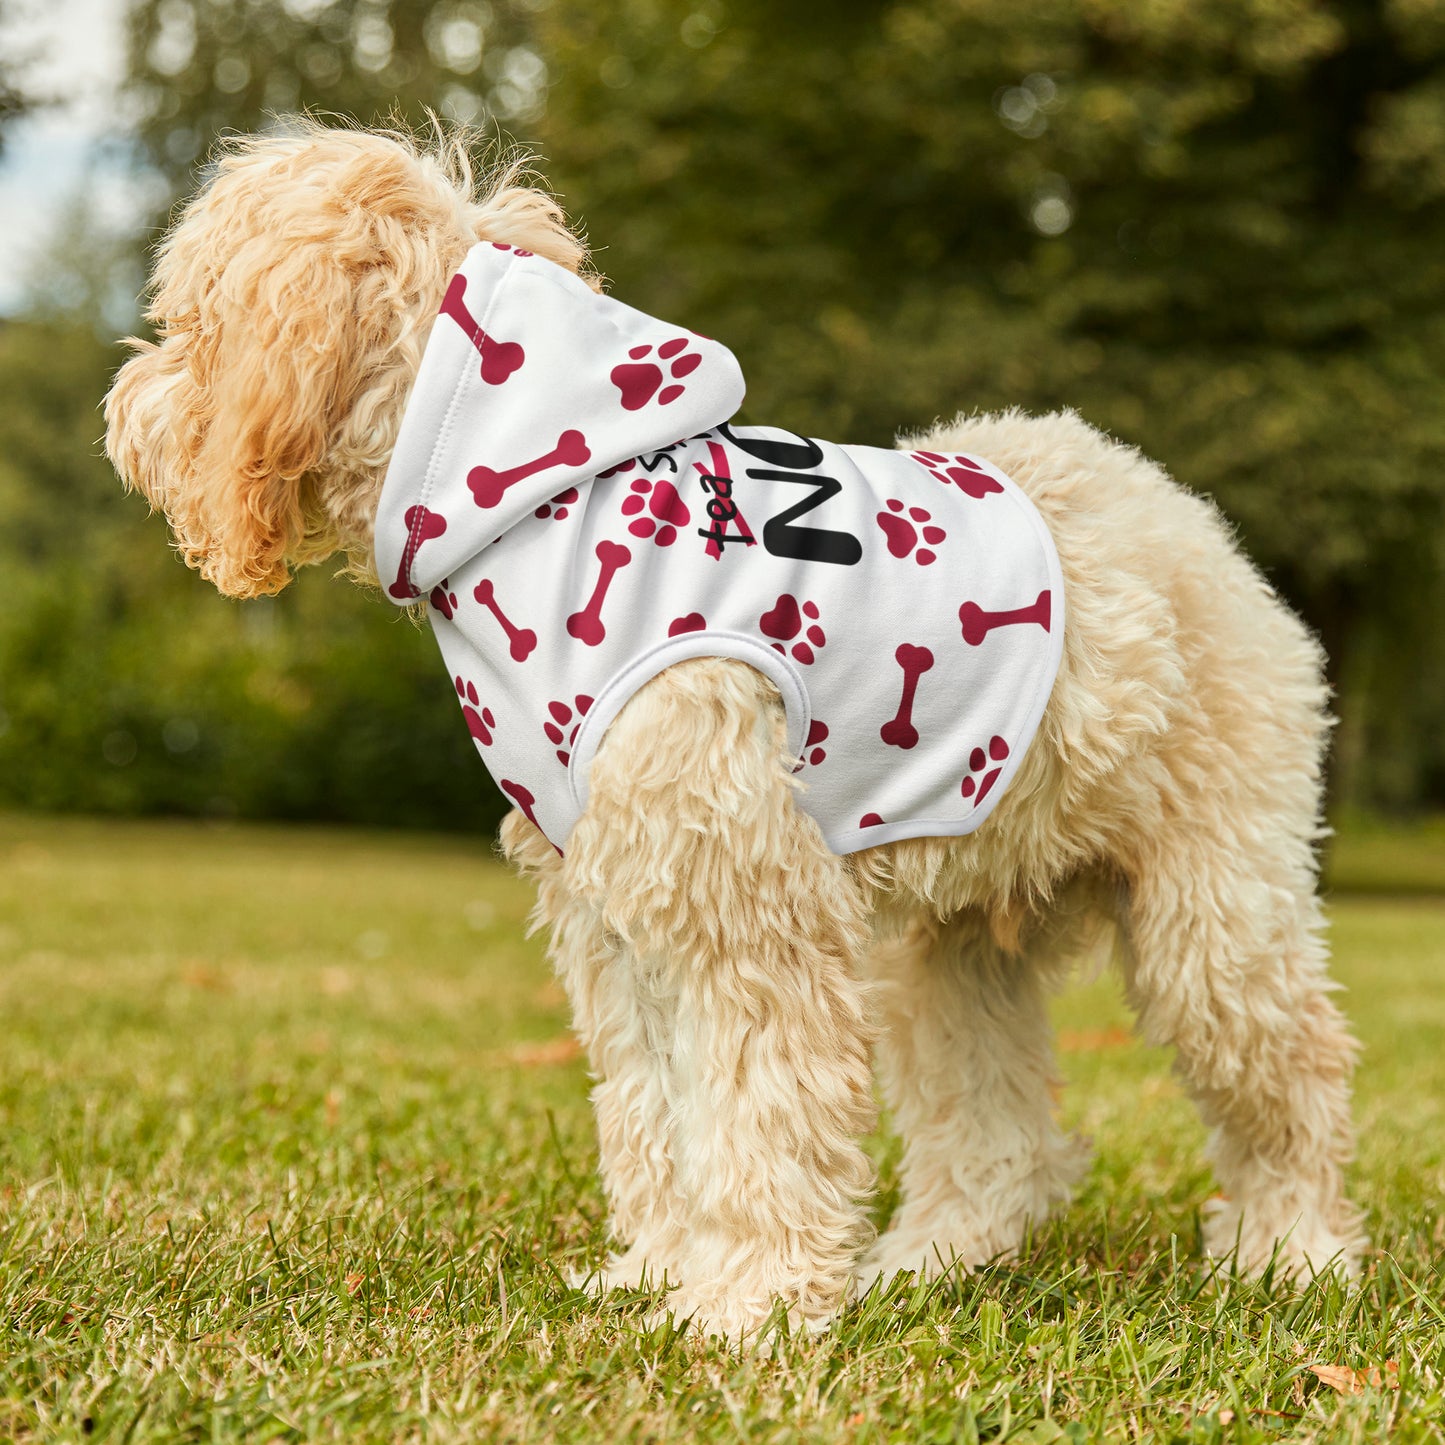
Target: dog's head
(292, 300)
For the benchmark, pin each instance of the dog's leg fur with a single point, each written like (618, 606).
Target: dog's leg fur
(1182, 754)
(623, 1019)
(744, 931)
(966, 1062)
(1228, 966)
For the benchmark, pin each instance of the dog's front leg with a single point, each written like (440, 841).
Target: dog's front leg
(622, 1014)
(744, 931)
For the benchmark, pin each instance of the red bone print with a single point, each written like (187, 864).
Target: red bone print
(586, 626)
(523, 640)
(899, 731)
(421, 526)
(977, 624)
(489, 487)
(693, 622)
(499, 358)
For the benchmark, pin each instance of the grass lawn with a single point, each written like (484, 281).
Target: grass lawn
(293, 1146)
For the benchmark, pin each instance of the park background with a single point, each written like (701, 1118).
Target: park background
(294, 1140)
(1216, 228)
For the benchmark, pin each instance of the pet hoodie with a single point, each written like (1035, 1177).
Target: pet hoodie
(569, 493)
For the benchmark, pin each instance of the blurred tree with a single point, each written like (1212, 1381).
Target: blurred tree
(1215, 229)
(14, 100)
(202, 67)
(127, 685)
(1213, 226)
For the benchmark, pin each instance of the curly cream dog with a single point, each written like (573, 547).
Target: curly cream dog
(730, 976)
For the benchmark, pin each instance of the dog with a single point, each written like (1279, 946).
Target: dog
(731, 974)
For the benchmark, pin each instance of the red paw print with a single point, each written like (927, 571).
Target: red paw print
(443, 600)
(556, 509)
(902, 534)
(785, 621)
(639, 380)
(667, 507)
(978, 761)
(817, 733)
(813, 753)
(480, 721)
(960, 471)
(562, 729)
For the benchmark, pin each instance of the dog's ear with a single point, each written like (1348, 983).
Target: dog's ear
(147, 413)
(221, 423)
(277, 357)
(282, 297)
(293, 299)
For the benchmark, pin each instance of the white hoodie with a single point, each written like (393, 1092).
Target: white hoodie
(568, 495)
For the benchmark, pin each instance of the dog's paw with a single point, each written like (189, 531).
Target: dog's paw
(983, 1224)
(900, 1252)
(1299, 1245)
(635, 1270)
(752, 1324)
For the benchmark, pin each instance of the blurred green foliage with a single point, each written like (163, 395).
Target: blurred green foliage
(127, 685)
(1214, 227)
(14, 100)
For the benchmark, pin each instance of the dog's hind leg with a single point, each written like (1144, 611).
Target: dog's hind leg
(1214, 831)
(966, 1062)
(1227, 964)
(693, 852)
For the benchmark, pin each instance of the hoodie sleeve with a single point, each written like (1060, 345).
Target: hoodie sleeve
(531, 383)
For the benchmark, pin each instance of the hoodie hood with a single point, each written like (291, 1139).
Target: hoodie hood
(531, 384)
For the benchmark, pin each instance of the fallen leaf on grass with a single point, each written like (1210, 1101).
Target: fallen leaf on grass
(1083, 1041)
(1355, 1382)
(551, 1051)
(196, 974)
(354, 1283)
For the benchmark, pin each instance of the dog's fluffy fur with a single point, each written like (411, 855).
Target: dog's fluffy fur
(730, 976)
